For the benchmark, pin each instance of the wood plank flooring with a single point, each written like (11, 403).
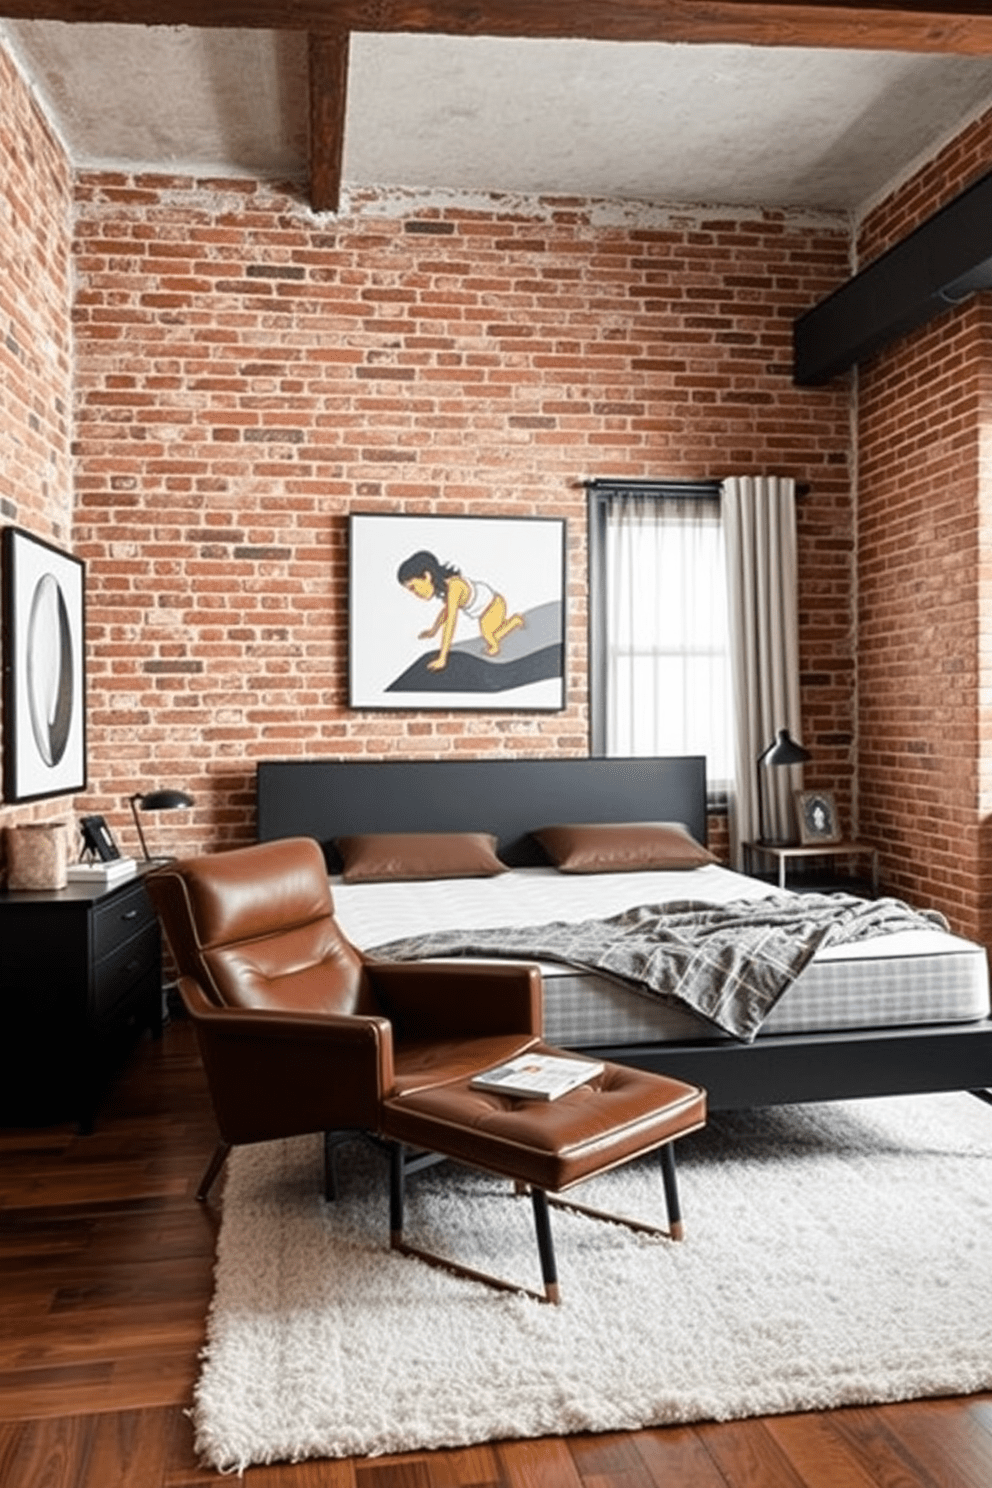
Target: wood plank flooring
(105, 1276)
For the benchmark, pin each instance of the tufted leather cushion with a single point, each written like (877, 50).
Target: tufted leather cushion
(553, 1144)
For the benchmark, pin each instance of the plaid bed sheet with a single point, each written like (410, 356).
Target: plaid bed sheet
(727, 963)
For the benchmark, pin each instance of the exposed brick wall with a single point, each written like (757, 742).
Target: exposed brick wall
(247, 374)
(924, 592)
(35, 339)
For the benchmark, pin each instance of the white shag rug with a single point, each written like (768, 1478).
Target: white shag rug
(834, 1254)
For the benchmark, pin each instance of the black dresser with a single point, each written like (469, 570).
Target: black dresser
(80, 978)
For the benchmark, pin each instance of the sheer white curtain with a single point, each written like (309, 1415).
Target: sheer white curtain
(667, 664)
(759, 521)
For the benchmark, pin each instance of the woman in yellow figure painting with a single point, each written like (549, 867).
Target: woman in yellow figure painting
(424, 576)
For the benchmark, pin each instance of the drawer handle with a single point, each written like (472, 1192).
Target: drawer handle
(130, 914)
(132, 965)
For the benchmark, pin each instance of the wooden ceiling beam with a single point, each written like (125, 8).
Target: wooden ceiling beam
(952, 26)
(328, 68)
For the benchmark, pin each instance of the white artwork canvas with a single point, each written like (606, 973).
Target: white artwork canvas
(456, 612)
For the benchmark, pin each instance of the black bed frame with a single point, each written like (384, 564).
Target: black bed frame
(511, 798)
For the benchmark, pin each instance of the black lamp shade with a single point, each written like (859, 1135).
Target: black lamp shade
(784, 751)
(164, 800)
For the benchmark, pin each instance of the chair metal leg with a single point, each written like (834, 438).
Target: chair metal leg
(675, 1226)
(545, 1244)
(675, 1230)
(213, 1168)
(397, 1186)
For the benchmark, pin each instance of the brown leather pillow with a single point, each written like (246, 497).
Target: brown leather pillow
(380, 856)
(622, 847)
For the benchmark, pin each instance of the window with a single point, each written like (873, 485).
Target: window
(660, 662)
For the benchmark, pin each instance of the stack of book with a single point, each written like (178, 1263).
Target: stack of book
(102, 874)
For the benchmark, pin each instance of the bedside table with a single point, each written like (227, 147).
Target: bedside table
(783, 855)
(80, 976)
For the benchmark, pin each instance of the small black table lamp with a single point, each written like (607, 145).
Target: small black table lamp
(157, 800)
(782, 751)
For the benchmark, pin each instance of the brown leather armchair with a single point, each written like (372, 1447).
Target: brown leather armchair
(298, 1031)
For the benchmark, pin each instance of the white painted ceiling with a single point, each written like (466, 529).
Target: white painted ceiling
(706, 124)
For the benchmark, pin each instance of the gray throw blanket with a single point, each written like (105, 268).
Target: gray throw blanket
(730, 963)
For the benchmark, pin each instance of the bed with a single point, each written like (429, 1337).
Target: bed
(896, 1014)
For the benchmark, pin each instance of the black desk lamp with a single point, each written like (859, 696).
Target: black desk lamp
(782, 751)
(157, 800)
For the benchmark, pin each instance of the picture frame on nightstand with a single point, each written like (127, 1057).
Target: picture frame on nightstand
(817, 815)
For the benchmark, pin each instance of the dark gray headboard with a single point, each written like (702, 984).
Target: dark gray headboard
(508, 797)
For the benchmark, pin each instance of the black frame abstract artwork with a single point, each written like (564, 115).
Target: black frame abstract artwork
(44, 669)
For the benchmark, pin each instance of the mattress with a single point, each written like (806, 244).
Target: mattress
(907, 979)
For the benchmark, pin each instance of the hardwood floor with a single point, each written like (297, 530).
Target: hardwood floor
(105, 1279)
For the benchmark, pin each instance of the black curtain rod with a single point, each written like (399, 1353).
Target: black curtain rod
(675, 487)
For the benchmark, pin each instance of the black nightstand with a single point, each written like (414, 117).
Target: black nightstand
(80, 977)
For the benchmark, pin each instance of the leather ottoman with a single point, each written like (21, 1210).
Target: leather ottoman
(546, 1146)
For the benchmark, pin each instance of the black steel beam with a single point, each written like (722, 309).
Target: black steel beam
(942, 262)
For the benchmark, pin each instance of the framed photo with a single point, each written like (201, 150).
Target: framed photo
(817, 813)
(456, 612)
(44, 670)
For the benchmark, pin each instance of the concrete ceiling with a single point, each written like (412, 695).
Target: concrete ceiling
(640, 121)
